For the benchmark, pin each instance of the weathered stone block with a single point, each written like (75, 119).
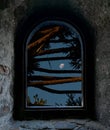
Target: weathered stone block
(4, 109)
(4, 70)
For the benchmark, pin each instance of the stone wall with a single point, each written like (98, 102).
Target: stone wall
(97, 13)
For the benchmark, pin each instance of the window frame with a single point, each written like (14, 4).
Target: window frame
(22, 32)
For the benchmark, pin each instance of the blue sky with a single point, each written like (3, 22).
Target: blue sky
(51, 98)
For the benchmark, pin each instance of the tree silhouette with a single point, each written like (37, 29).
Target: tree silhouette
(72, 101)
(39, 101)
(40, 46)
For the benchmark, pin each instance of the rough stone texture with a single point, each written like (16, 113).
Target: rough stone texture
(54, 125)
(97, 12)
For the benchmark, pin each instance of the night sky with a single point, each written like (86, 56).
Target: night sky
(52, 98)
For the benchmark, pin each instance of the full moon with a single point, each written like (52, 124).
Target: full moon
(61, 66)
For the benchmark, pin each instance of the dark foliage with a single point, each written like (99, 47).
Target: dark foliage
(73, 101)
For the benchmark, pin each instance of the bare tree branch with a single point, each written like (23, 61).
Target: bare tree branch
(52, 51)
(64, 41)
(51, 58)
(45, 78)
(51, 32)
(56, 81)
(57, 91)
(56, 71)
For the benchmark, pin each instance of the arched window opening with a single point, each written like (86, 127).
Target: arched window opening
(53, 77)
(54, 66)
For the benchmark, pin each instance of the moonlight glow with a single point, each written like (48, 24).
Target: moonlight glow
(61, 66)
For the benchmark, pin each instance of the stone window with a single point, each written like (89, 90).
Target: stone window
(52, 70)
